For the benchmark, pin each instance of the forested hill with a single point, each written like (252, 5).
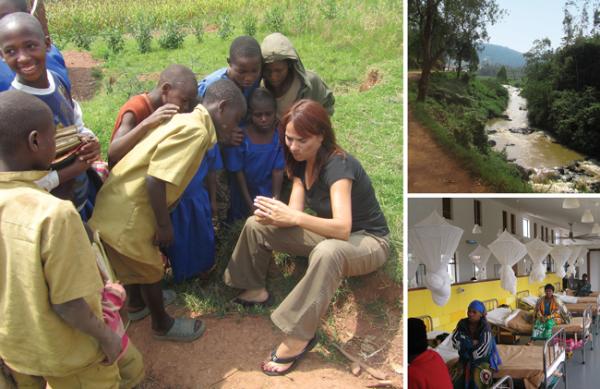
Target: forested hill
(500, 55)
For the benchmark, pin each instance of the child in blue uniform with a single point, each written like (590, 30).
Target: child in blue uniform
(257, 164)
(54, 59)
(23, 47)
(193, 250)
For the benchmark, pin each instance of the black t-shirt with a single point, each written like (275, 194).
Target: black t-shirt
(366, 213)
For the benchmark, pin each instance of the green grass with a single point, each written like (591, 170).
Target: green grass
(362, 36)
(450, 107)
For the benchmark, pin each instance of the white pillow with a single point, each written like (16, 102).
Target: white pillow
(566, 299)
(446, 351)
(498, 316)
(530, 300)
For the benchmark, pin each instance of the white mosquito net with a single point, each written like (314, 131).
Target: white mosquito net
(434, 242)
(508, 251)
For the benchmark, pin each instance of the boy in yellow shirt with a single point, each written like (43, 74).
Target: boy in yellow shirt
(132, 208)
(51, 325)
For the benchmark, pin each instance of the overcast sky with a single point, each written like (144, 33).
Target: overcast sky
(526, 21)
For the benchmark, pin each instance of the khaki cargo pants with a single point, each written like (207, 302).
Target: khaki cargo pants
(329, 262)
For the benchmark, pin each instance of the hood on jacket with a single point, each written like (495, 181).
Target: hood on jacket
(277, 47)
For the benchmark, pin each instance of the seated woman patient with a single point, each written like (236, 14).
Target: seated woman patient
(477, 351)
(347, 237)
(549, 311)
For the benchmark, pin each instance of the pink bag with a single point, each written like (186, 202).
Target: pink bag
(113, 298)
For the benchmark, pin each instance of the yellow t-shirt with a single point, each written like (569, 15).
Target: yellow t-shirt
(46, 259)
(171, 152)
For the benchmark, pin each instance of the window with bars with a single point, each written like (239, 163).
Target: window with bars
(513, 223)
(477, 212)
(526, 230)
(453, 270)
(447, 208)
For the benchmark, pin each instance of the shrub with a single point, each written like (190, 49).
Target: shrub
(142, 32)
(197, 27)
(226, 26)
(249, 24)
(172, 36)
(274, 19)
(81, 36)
(114, 40)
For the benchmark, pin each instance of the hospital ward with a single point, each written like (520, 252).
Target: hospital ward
(503, 292)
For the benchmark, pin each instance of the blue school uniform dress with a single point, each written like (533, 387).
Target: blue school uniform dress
(193, 250)
(257, 161)
(58, 97)
(54, 62)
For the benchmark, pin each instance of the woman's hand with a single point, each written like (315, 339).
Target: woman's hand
(274, 212)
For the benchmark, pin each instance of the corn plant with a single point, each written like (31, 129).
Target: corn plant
(142, 32)
(114, 40)
(226, 26)
(249, 24)
(274, 19)
(172, 36)
(197, 26)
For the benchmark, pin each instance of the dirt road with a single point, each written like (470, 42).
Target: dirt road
(431, 169)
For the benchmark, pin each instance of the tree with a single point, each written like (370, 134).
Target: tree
(448, 27)
(502, 76)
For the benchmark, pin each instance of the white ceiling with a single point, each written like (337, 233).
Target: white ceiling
(551, 209)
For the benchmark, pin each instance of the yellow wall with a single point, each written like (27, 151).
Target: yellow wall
(446, 317)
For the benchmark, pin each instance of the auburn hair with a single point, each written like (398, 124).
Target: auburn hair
(309, 119)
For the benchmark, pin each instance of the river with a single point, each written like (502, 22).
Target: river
(553, 167)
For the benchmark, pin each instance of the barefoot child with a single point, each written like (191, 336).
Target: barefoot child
(132, 214)
(52, 328)
(23, 48)
(257, 163)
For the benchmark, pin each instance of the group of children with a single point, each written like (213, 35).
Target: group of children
(158, 200)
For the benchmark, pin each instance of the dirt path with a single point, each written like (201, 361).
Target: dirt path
(431, 169)
(80, 66)
(230, 351)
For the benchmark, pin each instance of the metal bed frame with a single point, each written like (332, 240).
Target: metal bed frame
(555, 359)
(520, 304)
(428, 320)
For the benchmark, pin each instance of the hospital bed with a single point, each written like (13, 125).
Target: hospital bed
(505, 382)
(537, 366)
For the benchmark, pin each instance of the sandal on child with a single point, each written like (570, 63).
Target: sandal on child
(169, 297)
(183, 330)
(293, 360)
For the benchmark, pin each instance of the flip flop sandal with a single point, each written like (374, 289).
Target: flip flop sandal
(183, 330)
(293, 360)
(249, 304)
(169, 297)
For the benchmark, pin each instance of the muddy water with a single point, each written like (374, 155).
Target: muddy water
(534, 151)
(553, 167)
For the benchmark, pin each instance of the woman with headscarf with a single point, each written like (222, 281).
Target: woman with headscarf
(478, 355)
(286, 78)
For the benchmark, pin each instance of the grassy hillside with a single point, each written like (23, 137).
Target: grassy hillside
(456, 112)
(343, 41)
